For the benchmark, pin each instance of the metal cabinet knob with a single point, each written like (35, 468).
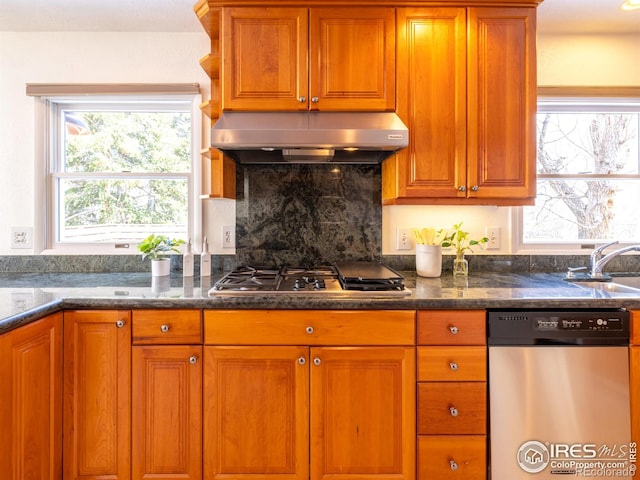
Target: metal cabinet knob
(453, 329)
(317, 361)
(302, 99)
(453, 465)
(474, 188)
(315, 99)
(193, 359)
(309, 330)
(453, 411)
(302, 360)
(164, 328)
(453, 366)
(120, 323)
(462, 188)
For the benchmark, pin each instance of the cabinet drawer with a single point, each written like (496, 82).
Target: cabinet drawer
(452, 408)
(451, 364)
(446, 457)
(309, 327)
(452, 327)
(167, 327)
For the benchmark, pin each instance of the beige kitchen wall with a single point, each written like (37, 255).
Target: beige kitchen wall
(77, 57)
(584, 60)
(81, 57)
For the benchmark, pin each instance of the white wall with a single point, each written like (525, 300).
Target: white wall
(76, 57)
(173, 58)
(575, 60)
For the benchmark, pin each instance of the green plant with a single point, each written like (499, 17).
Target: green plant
(155, 245)
(460, 241)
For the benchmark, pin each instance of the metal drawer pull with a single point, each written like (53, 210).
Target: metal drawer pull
(462, 188)
(474, 188)
(309, 330)
(453, 329)
(164, 328)
(302, 360)
(453, 410)
(317, 361)
(193, 359)
(453, 465)
(120, 323)
(315, 99)
(302, 99)
(453, 366)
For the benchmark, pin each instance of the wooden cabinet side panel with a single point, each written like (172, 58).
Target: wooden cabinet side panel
(97, 395)
(256, 408)
(167, 412)
(634, 390)
(31, 401)
(363, 413)
(352, 58)
(502, 102)
(264, 58)
(431, 67)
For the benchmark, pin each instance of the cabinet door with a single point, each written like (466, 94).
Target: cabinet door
(97, 385)
(432, 103)
(352, 58)
(256, 413)
(502, 103)
(31, 401)
(264, 59)
(363, 406)
(166, 418)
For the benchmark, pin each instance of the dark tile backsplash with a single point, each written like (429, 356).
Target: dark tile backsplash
(306, 214)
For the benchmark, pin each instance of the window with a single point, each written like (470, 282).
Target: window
(588, 172)
(119, 167)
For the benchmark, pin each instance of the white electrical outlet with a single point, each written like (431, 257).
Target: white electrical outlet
(403, 239)
(493, 234)
(228, 236)
(21, 237)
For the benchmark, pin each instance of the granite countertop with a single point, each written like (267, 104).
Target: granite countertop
(25, 297)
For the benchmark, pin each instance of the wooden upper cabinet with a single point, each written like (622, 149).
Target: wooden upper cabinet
(470, 103)
(308, 59)
(431, 66)
(502, 100)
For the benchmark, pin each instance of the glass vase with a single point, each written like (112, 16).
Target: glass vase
(460, 266)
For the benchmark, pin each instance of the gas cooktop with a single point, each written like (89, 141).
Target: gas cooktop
(347, 279)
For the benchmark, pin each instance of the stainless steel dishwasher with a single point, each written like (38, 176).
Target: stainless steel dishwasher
(559, 394)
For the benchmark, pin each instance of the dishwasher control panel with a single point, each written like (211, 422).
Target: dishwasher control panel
(592, 327)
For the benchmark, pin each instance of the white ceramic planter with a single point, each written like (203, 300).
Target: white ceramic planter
(160, 267)
(429, 260)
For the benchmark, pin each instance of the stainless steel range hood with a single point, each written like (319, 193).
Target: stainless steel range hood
(309, 137)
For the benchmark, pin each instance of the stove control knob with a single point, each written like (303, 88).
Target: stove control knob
(297, 284)
(319, 284)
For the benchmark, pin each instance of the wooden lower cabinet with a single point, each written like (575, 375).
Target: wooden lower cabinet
(452, 395)
(303, 411)
(166, 420)
(445, 457)
(31, 401)
(97, 395)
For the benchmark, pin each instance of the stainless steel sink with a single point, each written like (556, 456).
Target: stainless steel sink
(618, 287)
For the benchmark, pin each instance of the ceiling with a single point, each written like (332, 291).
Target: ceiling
(554, 16)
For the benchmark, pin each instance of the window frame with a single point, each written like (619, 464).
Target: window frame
(575, 95)
(48, 159)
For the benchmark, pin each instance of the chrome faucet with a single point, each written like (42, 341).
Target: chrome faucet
(597, 261)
